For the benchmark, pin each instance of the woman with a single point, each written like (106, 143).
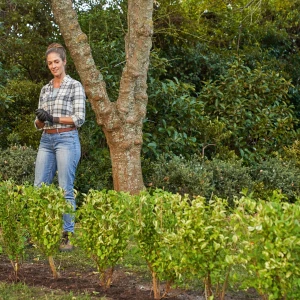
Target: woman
(60, 112)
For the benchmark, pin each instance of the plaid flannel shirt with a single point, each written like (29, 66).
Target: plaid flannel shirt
(69, 102)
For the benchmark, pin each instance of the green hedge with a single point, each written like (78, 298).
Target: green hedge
(255, 244)
(195, 176)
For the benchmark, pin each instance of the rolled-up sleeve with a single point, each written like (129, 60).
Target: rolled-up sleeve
(79, 100)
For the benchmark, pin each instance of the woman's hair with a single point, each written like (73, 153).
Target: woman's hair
(56, 48)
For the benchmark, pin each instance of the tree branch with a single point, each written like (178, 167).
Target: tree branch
(77, 43)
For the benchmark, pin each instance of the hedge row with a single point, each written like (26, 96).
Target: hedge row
(255, 243)
(195, 176)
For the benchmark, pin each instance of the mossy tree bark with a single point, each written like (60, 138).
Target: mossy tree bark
(121, 120)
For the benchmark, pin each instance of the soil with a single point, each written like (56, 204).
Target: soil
(126, 285)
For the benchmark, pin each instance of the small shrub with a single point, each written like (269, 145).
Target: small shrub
(46, 206)
(276, 174)
(17, 163)
(180, 175)
(205, 242)
(104, 230)
(269, 242)
(12, 212)
(229, 178)
(154, 219)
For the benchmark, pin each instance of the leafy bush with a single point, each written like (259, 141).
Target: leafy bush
(269, 243)
(19, 115)
(254, 105)
(154, 219)
(176, 174)
(17, 163)
(198, 177)
(104, 230)
(12, 212)
(46, 206)
(276, 174)
(229, 178)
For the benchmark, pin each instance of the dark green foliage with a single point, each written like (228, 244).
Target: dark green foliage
(18, 101)
(17, 163)
(254, 105)
(173, 114)
(105, 28)
(224, 178)
(229, 178)
(274, 173)
(178, 175)
(194, 64)
(94, 172)
(27, 28)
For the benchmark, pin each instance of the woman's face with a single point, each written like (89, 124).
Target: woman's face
(56, 65)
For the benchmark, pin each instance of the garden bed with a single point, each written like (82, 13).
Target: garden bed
(127, 284)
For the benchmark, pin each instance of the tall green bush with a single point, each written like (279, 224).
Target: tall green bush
(153, 219)
(45, 208)
(104, 230)
(12, 213)
(269, 241)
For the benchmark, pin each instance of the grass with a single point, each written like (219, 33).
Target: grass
(20, 291)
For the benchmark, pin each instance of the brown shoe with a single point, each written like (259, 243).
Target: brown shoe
(65, 242)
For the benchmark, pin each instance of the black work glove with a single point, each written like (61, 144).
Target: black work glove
(43, 116)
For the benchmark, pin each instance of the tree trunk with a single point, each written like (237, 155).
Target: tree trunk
(121, 120)
(126, 165)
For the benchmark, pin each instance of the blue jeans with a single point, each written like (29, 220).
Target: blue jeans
(59, 152)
